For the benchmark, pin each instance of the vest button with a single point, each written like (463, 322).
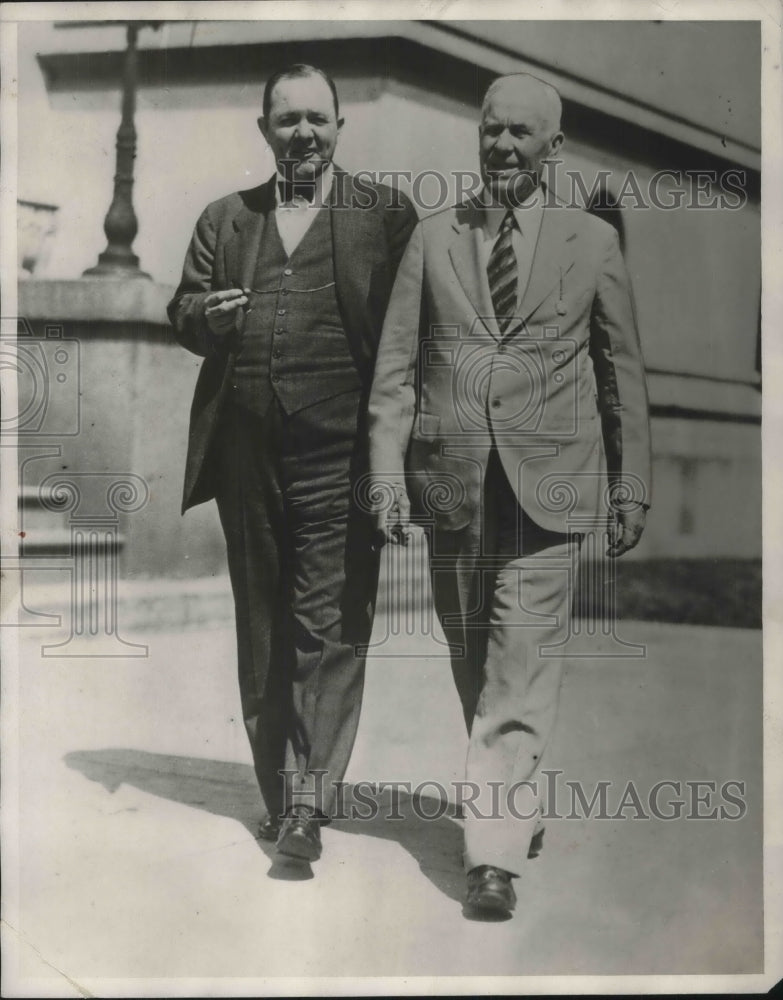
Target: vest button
(284, 291)
(281, 312)
(288, 272)
(275, 378)
(278, 332)
(502, 349)
(276, 353)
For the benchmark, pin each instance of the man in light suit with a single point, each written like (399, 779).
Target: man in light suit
(509, 384)
(283, 293)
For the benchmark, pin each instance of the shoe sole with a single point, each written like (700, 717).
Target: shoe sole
(491, 903)
(299, 848)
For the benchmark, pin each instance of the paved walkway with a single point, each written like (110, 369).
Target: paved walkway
(137, 810)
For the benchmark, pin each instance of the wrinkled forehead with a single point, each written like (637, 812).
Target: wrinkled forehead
(516, 102)
(301, 93)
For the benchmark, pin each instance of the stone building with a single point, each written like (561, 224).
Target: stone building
(672, 106)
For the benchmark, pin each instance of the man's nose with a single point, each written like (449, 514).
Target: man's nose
(304, 130)
(504, 143)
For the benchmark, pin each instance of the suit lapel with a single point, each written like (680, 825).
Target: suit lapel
(553, 258)
(242, 249)
(354, 234)
(467, 263)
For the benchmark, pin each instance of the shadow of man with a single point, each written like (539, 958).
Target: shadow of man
(423, 825)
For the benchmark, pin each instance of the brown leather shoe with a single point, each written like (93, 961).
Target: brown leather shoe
(490, 891)
(268, 829)
(300, 835)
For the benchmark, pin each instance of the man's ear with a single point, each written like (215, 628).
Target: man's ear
(340, 123)
(262, 126)
(555, 143)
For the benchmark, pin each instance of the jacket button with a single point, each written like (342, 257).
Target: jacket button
(502, 349)
(275, 378)
(276, 353)
(495, 403)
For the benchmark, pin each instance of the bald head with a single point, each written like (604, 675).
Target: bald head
(519, 132)
(530, 92)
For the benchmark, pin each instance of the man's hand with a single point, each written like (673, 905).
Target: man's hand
(222, 310)
(394, 523)
(625, 529)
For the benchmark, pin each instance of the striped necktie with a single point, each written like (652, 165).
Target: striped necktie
(502, 273)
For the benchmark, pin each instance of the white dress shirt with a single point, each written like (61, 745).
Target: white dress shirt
(524, 235)
(294, 218)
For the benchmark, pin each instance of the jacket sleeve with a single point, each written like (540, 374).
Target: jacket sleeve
(400, 223)
(619, 372)
(392, 401)
(186, 309)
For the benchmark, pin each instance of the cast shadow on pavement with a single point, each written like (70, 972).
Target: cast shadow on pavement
(229, 789)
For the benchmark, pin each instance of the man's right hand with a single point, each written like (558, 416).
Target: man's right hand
(394, 523)
(222, 310)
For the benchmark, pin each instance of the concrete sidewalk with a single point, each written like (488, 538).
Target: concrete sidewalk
(137, 812)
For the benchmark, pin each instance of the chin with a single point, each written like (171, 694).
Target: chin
(309, 169)
(516, 189)
(499, 187)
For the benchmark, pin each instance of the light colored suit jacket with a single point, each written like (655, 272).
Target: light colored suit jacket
(562, 393)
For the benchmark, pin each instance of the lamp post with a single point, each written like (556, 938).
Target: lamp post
(118, 259)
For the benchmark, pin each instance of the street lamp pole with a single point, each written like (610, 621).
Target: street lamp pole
(118, 259)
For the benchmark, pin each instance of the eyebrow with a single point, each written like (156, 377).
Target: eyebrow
(282, 115)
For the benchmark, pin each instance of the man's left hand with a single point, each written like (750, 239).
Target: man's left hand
(625, 529)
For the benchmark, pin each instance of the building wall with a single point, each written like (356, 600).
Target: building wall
(695, 272)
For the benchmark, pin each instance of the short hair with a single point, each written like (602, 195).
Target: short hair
(554, 106)
(292, 72)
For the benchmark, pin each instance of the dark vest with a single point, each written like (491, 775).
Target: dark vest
(294, 344)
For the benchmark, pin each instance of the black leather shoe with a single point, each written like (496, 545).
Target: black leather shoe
(269, 829)
(300, 835)
(490, 891)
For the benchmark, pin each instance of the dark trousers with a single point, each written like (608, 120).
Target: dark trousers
(304, 576)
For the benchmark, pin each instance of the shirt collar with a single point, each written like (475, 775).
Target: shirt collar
(323, 188)
(527, 213)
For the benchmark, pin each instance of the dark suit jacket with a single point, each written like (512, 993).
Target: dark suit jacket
(371, 224)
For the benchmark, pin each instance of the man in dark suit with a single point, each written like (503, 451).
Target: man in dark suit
(283, 293)
(509, 381)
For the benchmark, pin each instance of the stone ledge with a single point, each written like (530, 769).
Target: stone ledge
(95, 300)
(154, 605)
